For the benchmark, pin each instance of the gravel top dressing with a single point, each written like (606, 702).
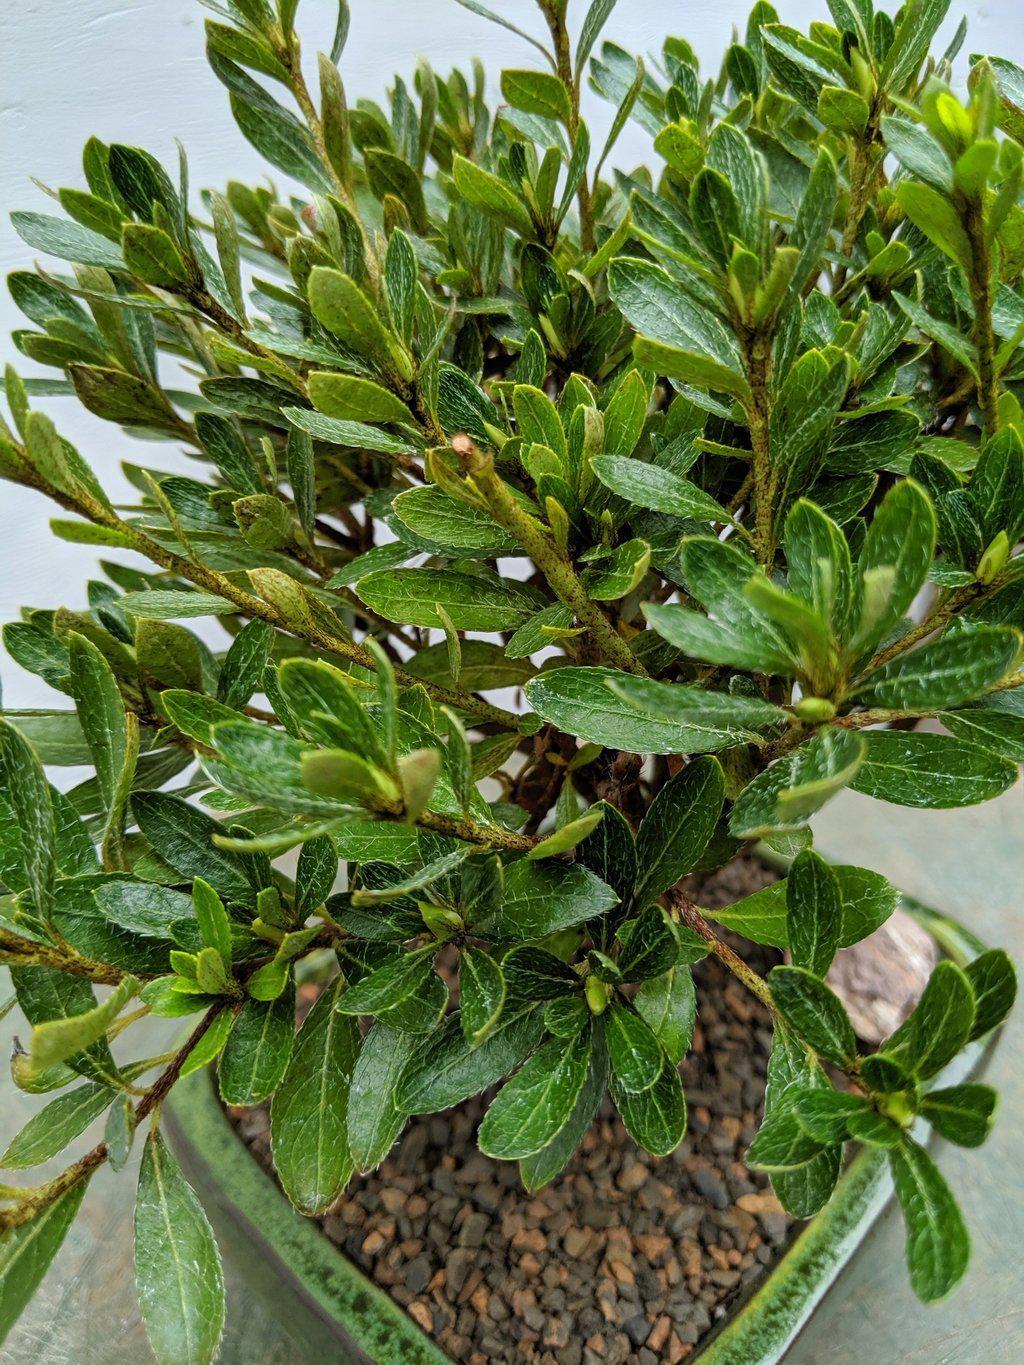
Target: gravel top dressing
(623, 1256)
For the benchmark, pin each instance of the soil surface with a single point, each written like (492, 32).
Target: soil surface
(623, 1257)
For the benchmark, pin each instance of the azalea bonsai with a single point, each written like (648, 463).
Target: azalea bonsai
(567, 531)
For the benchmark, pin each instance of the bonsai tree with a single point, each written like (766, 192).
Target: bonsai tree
(717, 463)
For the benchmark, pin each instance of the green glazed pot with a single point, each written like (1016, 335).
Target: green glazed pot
(366, 1325)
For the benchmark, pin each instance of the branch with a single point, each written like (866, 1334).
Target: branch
(980, 281)
(546, 555)
(16, 951)
(219, 584)
(692, 917)
(39, 1198)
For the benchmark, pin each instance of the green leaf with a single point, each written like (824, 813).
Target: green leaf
(220, 439)
(689, 367)
(277, 135)
(795, 786)
(639, 715)
(212, 919)
(1009, 78)
(351, 398)
(650, 944)
(544, 1165)
(117, 396)
(961, 1113)
(933, 213)
(391, 984)
(898, 553)
(308, 1130)
(472, 602)
(814, 1012)
(633, 1050)
(531, 1107)
(717, 575)
(119, 1132)
(456, 526)
(658, 489)
(327, 705)
(166, 605)
(374, 1117)
(447, 1069)
(491, 195)
(656, 1117)
(481, 993)
(609, 852)
(241, 672)
(26, 1253)
(401, 271)
(919, 151)
(183, 837)
(938, 1247)
(391, 175)
(814, 912)
(533, 973)
(56, 736)
(946, 672)
(994, 984)
(502, 22)
(177, 1266)
(782, 1143)
(58, 1039)
(258, 1049)
(343, 308)
(100, 711)
(807, 1188)
(818, 559)
(867, 901)
(52, 1128)
(668, 1005)
(68, 241)
(621, 572)
(678, 825)
(660, 309)
(932, 772)
(940, 1024)
(28, 794)
(356, 435)
(152, 255)
(566, 1015)
(542, 897)
(564, 840)
(826, 1114)
(916, 27)
(425, 876)
(46, 995)
(536, 92)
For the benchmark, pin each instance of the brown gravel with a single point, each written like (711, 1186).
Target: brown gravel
(624, 1257)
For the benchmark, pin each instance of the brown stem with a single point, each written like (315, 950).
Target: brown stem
(693, 919)
(980, 280)
(16, 951)
(757, 354)
(865, 165)
(546, 555)
(563, 65)
(956, 601)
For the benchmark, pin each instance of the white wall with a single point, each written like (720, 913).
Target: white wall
(136, 72)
